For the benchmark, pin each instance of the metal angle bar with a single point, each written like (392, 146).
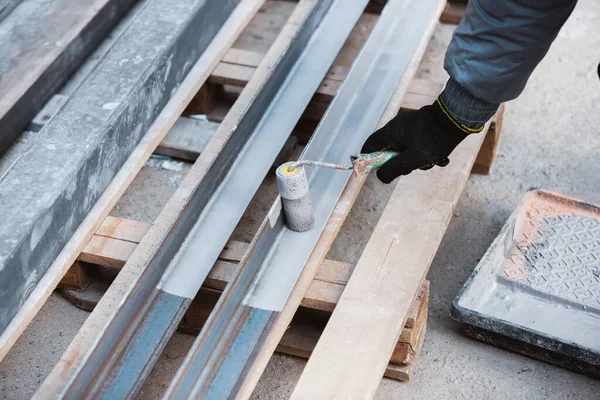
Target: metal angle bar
(221, 356)
(138, 331)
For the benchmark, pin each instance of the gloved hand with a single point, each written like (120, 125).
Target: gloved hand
(424, 138)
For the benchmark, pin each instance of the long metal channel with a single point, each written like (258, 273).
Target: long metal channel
(137, 333)
(222, 355)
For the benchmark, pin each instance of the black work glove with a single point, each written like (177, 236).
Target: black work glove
(424, 138)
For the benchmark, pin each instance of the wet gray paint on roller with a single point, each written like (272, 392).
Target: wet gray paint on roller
(295, 198)
(56, 181)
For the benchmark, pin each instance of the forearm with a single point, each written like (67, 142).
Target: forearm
(495, 49)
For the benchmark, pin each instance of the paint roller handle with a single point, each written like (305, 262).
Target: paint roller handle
(422, 139)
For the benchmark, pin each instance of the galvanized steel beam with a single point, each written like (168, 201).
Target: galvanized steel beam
(42, 43)
(49, 190)
(224, 352)
(135, 335)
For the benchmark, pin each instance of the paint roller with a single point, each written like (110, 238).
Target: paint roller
(293, 185)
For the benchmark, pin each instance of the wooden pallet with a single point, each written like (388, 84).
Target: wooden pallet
(320, 292)
(114, 242)
(121, 244)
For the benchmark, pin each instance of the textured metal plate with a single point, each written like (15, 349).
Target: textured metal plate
(539, 282)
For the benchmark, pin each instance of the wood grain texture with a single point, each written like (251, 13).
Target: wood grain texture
(487, 154)
(238, 66)
(192, 83)
(77, 278)
(331, 230)
(117, 238)
(374, 307)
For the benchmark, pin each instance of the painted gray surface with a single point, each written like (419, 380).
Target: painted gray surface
(58, 178)
(270, 127)
(295, 199)
(50, 109)
(33, 33)
(273, 262)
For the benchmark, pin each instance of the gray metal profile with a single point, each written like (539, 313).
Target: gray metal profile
(6, 7)
(224, 352)
(135, 334)
(42, 43)
(50, 189)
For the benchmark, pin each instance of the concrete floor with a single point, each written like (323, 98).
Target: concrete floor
(550, 139)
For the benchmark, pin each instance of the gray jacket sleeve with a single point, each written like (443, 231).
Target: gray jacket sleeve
(498, 44)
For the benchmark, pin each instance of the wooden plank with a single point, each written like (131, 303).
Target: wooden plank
(40, 47)
(191, 84)
(453, 12)
(123, 229)
(303, 333)
(107, 251)
(332, 228)
(420, 92)
(374, 307)
(117, 238)
(77, 278)
(305, 329)
(489, 148)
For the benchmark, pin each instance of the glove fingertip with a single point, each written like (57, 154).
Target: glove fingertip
(372, 144)
(443, 162)
(384, 176)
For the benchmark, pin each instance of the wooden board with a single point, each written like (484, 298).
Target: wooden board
(116, 240)
(331, 230)
(453, 12)
(487, 154)
(375, 304)
(238, 66)
(300, 339)
(40, 47)
(194, 80)
(303, 334)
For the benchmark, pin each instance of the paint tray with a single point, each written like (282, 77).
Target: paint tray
(537, 289)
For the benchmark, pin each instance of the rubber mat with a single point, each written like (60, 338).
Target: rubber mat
(537, 289)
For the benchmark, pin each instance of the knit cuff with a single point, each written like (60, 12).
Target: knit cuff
(470, 110)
